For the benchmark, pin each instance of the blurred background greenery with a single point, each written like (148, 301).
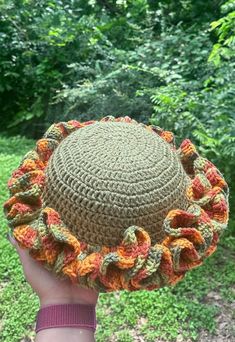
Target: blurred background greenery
(168, 63)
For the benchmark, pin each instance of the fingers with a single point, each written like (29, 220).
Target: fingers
(46, 285)
(31, 267)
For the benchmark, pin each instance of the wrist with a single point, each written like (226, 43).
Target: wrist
(75, 295)
(62, 300)
(90, 298)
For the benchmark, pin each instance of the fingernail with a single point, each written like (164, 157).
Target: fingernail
(10, 238)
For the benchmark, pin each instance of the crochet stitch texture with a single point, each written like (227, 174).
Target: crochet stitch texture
(113, 205)
(111, 175)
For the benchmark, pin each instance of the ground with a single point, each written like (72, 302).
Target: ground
(199, 308)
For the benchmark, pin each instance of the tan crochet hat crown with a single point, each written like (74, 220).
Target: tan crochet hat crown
(112, 204)
(111, 175)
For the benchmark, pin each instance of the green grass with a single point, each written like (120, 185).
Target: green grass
(166, 314)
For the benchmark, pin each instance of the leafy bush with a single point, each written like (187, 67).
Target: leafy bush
(80, 58)
(42, 40)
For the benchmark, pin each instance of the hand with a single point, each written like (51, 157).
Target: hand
(50, 289)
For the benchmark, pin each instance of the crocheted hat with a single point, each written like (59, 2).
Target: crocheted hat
(112, 204)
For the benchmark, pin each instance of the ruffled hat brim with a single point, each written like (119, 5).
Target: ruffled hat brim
(134, 264)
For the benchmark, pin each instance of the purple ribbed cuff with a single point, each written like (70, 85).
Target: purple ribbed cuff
(66, 315)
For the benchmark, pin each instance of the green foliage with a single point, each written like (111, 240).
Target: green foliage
(42, 40)
(224, 49)
(124, 336)
(155, 314)
(61, 59)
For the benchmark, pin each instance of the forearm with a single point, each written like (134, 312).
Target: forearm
(65, 335)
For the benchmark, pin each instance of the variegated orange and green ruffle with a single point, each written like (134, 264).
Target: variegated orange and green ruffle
(191, 236)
